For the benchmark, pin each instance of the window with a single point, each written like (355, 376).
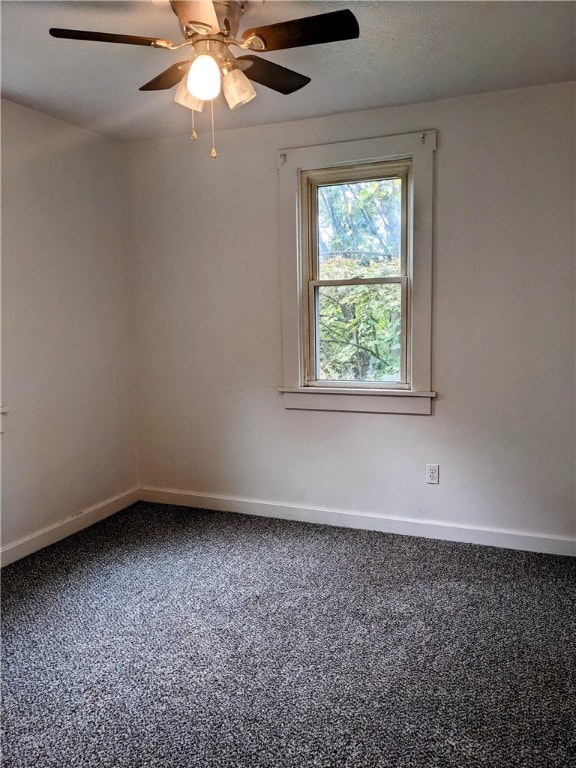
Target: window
(355, 225)
(356, 247)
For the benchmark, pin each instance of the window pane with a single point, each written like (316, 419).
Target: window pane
(359, 229)
(358, 332)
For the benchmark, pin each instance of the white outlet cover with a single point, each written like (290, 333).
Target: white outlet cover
(432, 474)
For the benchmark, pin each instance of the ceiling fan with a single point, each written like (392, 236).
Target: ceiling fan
(210, 29)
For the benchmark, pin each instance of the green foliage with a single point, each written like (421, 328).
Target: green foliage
(359, 332)
(361, 220)
(359, 326)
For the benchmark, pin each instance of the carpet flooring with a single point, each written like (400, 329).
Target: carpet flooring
(168, 637)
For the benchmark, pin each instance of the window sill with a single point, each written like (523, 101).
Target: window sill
(368, 401)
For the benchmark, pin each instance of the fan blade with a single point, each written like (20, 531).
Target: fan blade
(105, 37)
(195, 10)
(167, 79)
(272, 75)
(324, 28)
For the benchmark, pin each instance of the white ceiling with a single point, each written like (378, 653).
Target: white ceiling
(407, 52)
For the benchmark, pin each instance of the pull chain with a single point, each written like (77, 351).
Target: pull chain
(193, 135)
(213, 152)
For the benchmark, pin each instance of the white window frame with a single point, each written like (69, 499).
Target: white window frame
(416, 396)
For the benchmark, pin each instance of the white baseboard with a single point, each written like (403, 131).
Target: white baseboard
(495, 537)
(63, 528)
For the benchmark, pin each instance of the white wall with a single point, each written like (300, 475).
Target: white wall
(203, 235)
(69, 443)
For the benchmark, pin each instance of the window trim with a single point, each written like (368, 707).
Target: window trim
(419, 148)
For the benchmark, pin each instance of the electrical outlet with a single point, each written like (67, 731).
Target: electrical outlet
(432, 474)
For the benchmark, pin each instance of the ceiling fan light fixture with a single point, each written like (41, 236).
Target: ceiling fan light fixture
(185, 98)
(238, 90)
(211, 68)
(204, 77)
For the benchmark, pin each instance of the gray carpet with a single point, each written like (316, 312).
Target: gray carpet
(180, 638)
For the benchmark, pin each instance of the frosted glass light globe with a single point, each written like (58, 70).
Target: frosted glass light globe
(185, 98)
(238, 90)
(204, 78)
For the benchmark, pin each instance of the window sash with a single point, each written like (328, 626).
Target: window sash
(312, 363)
(326, 177)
